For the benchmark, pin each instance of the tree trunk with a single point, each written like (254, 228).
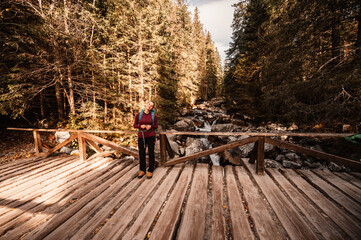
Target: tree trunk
(66, 17)
(71, 92)
(42, 107)
(59, 101)
(141, 72)
(129, 78)
(105, 111)
(358, 40)
(94, 103)
(335, 35)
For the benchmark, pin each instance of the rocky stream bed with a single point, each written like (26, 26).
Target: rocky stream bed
(212, 117)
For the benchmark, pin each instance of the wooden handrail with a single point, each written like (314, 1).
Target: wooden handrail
(257, 153)
(253, 134)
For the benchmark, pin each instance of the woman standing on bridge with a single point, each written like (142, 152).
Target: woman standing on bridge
(146, 122)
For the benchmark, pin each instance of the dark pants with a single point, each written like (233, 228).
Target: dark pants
(150, 142)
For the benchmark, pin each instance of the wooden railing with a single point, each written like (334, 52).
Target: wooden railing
(167, 156)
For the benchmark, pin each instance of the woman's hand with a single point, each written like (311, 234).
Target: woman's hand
(143, 126)
(148, 127)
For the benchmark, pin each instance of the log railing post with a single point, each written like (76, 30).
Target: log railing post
(253, 153)
(168, 147)
(260, 156)
(82, 146)
(37, 141)
(163, 155)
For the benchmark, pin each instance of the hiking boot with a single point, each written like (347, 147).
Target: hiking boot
(149, 175)
(141, 174)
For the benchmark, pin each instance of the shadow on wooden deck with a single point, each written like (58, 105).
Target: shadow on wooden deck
(66, 198)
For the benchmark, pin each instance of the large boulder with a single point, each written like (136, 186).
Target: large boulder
(184, 125)
(198, 123)
(238, 122)
(270, 163)
(217, 102)
(172, 137)
(61, 136)
(174, 147)
(173, 144)
(290, 164)
(245, 149)
(186, 112)
(335, 167)
(210, 118)
(227, 127)
(195, 145)
(224, 119)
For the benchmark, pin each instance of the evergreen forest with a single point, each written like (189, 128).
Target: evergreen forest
(93, 63)
(296, 61)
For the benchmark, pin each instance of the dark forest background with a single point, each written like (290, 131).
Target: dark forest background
(92, 64)
(296, 61)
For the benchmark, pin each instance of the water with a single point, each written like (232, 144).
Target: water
(208, 128)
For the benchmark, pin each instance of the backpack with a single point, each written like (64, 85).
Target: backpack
(151, 111)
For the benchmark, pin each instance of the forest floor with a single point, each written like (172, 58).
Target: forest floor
(15, 145)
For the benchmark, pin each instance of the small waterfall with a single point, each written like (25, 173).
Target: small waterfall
(208, 128)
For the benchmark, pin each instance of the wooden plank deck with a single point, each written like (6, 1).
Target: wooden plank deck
(65, 198)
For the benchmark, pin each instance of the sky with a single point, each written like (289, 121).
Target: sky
(216, 16)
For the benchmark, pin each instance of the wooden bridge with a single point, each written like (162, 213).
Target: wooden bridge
(64, 197)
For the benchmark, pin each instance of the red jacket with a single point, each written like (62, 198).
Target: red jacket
(146, 120)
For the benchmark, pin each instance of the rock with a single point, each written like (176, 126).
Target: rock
(276, 127)
(202, 106)
(195, 146)
(209, 118)
(198, 112)
(61, 136)
(172, 137)
(183, 112)
(245, 149)
(334, 167)
(75, 152)
(223, 128)
(290, 164)
(131, 158)
(224, 119)
(269, 147)
(238, 122)
(184, 125)
(175, 147)
(173, 144)
(66, 150)
(292, 127)
(186, 112)
(309, 159)
(312, 165)
(261, 129)
(270, 163)
(280, 158)
(182, 151)
(217, 102)
(198, 123)
(317, 148)
(232, 139)
(284, 138)
(157, 147)
(292, 156)
(190, 140)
